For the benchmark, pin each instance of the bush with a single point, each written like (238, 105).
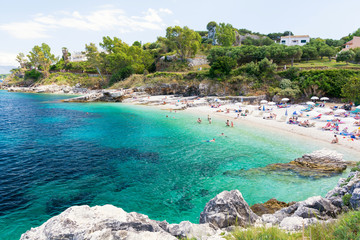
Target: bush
(346, 199)
(33, 74)
(222, 66)
(121, 74)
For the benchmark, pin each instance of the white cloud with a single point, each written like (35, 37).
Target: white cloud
(165, 10)
(8, 59)
(25, 30)
(106, 18)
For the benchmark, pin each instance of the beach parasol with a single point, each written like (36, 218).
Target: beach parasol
(324, 99)
(314, 98)
(263, 102)
(310, 103)
(285, 99)
(239, 104)
(273, 103)
(339, 111)
(323, 110)
(358, 107)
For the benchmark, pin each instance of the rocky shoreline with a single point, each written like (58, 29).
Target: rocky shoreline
(219, 217)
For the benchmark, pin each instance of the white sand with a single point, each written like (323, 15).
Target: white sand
(310, 133)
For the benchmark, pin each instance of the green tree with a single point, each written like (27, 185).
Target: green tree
(225, 34)
(41, 56)
(327, 51)
(211, 25)
(357, 55)
(222, 66)
(293, 53)
(351, 89)
(184, 41)
(137, 44)
(20, 58)
(309, 52)
(345, 56)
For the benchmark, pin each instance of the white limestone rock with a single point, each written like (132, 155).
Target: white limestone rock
(99, 222)
(296, 223)
(227, 209)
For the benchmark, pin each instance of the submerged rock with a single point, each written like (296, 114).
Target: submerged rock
(269, 207)
(227, 209)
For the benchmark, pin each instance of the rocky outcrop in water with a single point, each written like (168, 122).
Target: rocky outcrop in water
(321, 163)
(101, 96)
(228, 209)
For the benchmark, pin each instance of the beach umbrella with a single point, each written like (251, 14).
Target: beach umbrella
(263, 102)
(273, 103)
(358, 107)
(324, 99)
(323, 110)
(339, 111)
(285, 99)
(310, 103)
(314, 98)
(239, 104)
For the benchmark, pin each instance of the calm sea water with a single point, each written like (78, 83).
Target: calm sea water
(55, 155)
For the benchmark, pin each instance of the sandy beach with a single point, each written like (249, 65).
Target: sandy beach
(259, 119)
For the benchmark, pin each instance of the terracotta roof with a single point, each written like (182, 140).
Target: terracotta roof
(296, 36)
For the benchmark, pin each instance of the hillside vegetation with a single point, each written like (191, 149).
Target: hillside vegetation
(239, 60)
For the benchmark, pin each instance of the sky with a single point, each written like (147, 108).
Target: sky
(74, 23)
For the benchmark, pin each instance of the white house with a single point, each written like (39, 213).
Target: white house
(78, 57)
(299, 40)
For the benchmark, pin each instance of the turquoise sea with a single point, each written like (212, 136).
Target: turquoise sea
(55, 155)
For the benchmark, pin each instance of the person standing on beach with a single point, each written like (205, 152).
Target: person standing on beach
(335, 140)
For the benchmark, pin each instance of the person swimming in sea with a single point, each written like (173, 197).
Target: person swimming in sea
(212, 140)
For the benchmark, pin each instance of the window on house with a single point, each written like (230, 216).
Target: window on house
(283, 41)
(294, 41)
(303, 41)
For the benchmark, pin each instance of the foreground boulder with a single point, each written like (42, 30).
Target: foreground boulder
(228, 209)
(109, 222)
(99, 222)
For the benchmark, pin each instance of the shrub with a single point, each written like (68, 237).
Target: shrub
(33, 74)
(346, 199)
(121, 74)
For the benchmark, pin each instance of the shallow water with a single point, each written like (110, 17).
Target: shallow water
(55, 155)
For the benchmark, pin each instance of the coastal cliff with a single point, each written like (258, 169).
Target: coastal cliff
(219, 217)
